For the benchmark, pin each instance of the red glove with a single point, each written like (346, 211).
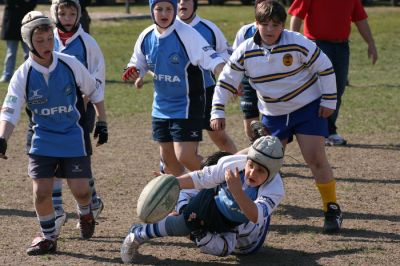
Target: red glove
(128, 72)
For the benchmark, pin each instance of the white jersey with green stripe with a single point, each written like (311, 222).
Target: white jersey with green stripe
(286, 76)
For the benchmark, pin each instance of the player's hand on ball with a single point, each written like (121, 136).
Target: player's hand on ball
(130, 74)
(101, 132)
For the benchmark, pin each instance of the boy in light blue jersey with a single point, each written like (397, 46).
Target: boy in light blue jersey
(176, 54)
(51, 86)
(71, 39)
(216, 39)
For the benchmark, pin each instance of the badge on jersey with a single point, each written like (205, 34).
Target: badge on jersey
(287, 59)
(174, 58)
(36, 98)
(11, 99)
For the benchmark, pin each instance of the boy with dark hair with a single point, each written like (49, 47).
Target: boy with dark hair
(296, 91)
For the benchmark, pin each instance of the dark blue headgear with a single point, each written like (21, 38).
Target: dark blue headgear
(174, 3)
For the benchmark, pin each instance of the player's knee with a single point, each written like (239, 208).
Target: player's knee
(186, 157)
(318, 163)
(42, 195)
(82, 194)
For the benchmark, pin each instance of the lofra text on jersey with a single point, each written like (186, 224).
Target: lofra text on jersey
(167, 78)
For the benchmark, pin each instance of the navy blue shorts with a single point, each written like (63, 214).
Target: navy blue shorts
(302, 121)
(249, 102)
(49, 167)
(207, 111)
(177, 130)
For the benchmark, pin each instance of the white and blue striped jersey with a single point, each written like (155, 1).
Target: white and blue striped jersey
(215, 38)
(247, 237)
(53, 98)
(286, 76)
(85, 48)
(176, 57)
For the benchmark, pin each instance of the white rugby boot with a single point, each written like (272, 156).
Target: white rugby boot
(130, 246)
(61, 218)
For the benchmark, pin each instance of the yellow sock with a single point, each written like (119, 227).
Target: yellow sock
(328, 193)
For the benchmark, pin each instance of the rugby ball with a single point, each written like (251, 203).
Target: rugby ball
(158, 198)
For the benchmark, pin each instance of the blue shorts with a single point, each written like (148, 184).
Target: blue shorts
(177, 130)
(249, 102)
(49, 167)
(207, 111)
(302, 121)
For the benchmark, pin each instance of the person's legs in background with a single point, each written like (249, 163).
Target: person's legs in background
(339, 54)
(10, 60)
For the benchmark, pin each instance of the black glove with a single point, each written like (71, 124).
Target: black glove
(3, 146)
(101, 131)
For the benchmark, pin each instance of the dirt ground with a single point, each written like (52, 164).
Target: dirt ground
(368, 184)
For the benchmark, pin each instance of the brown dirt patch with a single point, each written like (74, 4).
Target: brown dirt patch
(368, 176)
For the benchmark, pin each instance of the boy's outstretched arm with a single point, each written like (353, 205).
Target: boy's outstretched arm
(185, 181)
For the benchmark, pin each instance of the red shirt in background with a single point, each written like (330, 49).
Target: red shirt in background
(328, 20)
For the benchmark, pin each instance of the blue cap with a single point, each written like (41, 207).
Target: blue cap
(152, 3)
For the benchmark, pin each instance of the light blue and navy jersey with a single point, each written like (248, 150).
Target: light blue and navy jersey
(176, 57)
(248, 237)
(54, 103)
(266, 197)
(245, 32)
(75, 48)
(227, 204)
(85, 48)
(217, 41)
